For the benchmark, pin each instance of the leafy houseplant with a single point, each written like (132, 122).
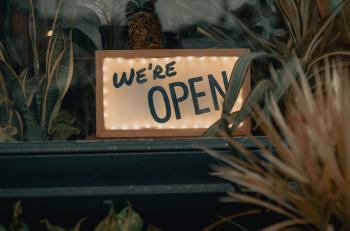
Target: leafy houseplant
(306, 179)
(30, 101)
(305, 34)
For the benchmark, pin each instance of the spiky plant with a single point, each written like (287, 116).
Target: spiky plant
(31, 95)
(308, 31)
(307, 176)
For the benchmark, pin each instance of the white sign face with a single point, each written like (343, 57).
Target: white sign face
(172, 93)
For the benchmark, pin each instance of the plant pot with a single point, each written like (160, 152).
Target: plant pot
(113, 37)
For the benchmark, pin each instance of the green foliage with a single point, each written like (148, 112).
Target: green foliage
(17, 223)
(31, 99)
(305, 36)
(7, 134)
(126, 220)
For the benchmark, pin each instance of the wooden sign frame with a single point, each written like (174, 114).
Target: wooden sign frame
(101, 132)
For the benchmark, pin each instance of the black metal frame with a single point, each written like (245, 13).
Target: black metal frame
(167, 178)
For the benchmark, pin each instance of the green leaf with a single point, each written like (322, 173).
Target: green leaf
(18, 123)
(291, 16)
(238, 76)
(129, 220)
(109, 223)
(64, 117)
(13, 84)
(63, 80)
(32, 35)
(256, 97)
(7, 134)
(86, 21)
(2, 228)
(64, 131)
(5, 106)
(78, 225)
(11, 51)
(51, 94)
(17, 223)
(31, 86)
(215, 129)
(319, 35)
(2, 52)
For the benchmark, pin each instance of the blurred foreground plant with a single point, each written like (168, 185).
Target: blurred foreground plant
(30, 100)
(306, 179)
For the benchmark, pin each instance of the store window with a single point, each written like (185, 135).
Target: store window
(48, 80)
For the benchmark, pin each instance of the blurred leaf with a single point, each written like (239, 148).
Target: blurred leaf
(32, 35)
(84, 20)
(31, 86)
(2, 52)
(217, 127)
(7, 134)
(290, 14)
(11, 51)
(62, 126)
(320, 33)
(102, 9)
(326, 7)
(64, 131)
(18, 123)
(2, 228)
(129, 220)
(126, 220)
(77, 226)
(255, 98)
(257, 42)
(51, 227)
(109, 223)
(64, 117)
(17, 222)
(234, 5)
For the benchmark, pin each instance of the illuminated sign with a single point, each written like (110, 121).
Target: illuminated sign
(163, 93)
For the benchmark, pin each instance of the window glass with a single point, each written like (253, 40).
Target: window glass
(47, 50)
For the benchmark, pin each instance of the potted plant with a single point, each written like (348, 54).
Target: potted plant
(303, 34)
(31, 100)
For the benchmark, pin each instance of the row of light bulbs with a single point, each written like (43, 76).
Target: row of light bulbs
(167, 59)
(149, 126)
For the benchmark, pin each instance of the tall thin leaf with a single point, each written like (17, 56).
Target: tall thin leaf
(32, 35)
(12, 81)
